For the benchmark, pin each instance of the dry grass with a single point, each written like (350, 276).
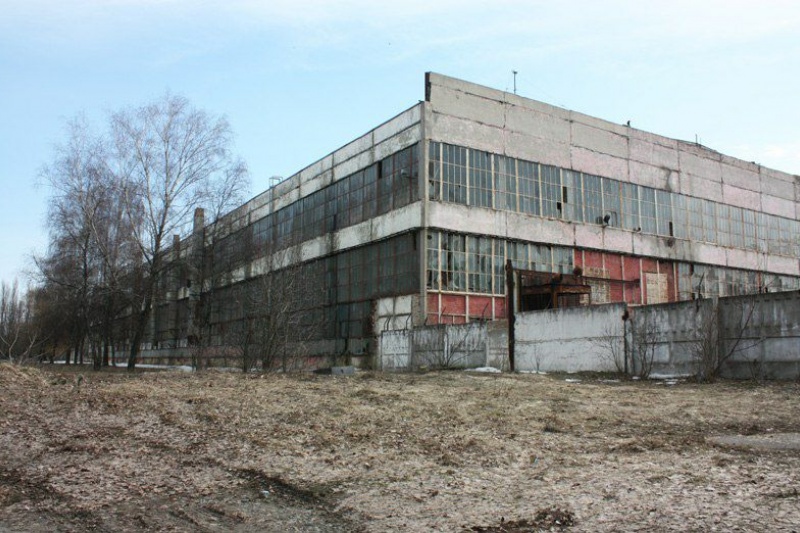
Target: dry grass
(378, 452)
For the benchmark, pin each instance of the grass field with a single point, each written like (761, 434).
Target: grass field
(437, 451)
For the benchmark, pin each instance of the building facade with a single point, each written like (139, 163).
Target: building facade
(414, 223)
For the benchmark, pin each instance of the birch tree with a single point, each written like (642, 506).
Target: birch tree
(173, 158)
(18, 336)
(82, 190)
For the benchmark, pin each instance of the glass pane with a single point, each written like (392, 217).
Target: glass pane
(647, 208)
(505, 176)
(593, 199)
(571, 197)
(480, 178)
(551, 191)
(529, 196)
(611, 202)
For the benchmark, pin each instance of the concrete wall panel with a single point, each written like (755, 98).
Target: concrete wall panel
(744, 259)
(405, 120)
(537, 124)
(741, 197)
(464, 105)
(708, 253)
(464, 219)
(440, 85)
(462, 132)
(599, 139)
(616, 240)
(650, 152)
(699, 165)
(568, 340)
(318, 167)
(352, 149)
(777, 187)
(610, 239)
(694, 185)
(599, 123)
(653, 176)
(353, 164)
(778, 206)
(402, 140)
(394, 222)
(320, 181)
(531, 148)
(287, 198)
(783, 265)
(599, 164)
(742, 178)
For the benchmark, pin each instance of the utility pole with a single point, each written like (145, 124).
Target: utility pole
(515, 81)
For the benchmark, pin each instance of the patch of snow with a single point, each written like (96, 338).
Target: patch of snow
(488, 369)
(669, 377)
(572, 380)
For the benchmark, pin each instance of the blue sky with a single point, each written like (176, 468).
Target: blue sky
(299, 78)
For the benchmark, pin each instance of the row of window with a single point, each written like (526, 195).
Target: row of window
(383, 186)
(335, 300)
(469, 263)
(477, 178)
(710, 281)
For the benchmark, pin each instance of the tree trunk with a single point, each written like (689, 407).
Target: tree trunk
(138, 334)
(96, 358)
(106, 350)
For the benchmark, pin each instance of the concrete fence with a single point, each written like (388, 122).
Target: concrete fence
(756, 336)
(443, 346)
(572, 339)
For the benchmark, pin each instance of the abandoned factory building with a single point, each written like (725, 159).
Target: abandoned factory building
(413, 223)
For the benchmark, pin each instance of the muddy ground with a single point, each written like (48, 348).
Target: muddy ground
(440, 451)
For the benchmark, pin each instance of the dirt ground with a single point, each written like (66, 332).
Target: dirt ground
(439, 451)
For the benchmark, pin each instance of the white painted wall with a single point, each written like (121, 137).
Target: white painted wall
(567, 340)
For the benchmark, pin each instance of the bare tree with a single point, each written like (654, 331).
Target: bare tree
(18, 335)
(644, 343)
(710, 350)
(173, 158)
(90, 253)
(116, 200)
(80, 191)
(279, 314)
(445, 346)
(611, 347)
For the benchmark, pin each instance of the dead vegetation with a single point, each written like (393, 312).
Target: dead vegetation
(444, 451)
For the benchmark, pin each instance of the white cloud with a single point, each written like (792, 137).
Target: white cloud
(420, 24)
(784, 156)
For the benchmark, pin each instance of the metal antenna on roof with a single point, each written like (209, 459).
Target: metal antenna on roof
(515, 81)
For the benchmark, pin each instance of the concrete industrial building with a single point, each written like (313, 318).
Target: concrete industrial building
(413, 223)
